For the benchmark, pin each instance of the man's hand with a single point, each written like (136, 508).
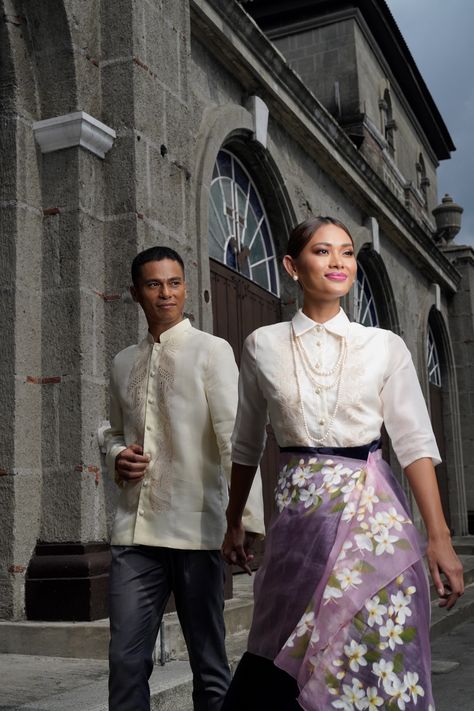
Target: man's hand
(235, 548)
(131, 463)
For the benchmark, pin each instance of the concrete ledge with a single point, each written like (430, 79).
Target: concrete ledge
(90, 640)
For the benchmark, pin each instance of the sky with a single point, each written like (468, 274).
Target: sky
(440, 37)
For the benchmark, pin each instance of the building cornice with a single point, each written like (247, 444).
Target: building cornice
(236, 40)
(74, 129)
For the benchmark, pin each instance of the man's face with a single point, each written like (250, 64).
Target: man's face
(161, 293)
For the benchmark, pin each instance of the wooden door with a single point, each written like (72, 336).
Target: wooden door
(436, 402)
(239, 306)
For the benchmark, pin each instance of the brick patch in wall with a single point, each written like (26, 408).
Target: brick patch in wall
(92, 60)
(16, 569)
(43, 381)
(49, 211)
(144, 66)
(15, 19)
(3, 472)
(90, 469)
(107, 297)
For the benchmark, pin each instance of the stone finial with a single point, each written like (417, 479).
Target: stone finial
(448, 219)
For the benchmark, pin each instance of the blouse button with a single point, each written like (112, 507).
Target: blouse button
(319, 328)
(152, 374)
(318, 391)
(318, 343)
(322, 421)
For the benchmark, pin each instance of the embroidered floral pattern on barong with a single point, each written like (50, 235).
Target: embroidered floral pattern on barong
(362, 640)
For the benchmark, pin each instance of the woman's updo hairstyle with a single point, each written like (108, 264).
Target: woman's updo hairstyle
(302, 233)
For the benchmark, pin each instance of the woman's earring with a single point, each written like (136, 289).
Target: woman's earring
(295, 277)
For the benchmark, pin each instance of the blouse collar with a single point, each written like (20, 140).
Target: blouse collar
(338, 324)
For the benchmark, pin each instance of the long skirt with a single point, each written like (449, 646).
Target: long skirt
(342, 596)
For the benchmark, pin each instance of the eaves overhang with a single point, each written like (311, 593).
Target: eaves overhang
(271, 14)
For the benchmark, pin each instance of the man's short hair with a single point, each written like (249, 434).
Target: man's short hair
(153, 254)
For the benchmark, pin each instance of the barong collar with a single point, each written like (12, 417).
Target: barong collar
(339, 324)
(173, 333)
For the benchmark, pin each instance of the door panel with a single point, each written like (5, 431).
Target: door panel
(239, 307)
(436, 402)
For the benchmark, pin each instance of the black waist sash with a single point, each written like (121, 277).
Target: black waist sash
(360, 452)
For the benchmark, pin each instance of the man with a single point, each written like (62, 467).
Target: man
(173, 399)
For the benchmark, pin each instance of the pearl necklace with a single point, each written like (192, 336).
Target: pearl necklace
(309, 367)
(337, 383)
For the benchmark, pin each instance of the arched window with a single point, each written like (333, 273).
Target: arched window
(389, 125)
(365, 310)
(239, 232)
(432, 359)
(422, 181)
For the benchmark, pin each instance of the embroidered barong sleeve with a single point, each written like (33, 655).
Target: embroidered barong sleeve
(249, 436)
(114, 436)
(404, 408)
(221, 390)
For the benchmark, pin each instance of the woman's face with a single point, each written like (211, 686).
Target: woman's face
(326, 267)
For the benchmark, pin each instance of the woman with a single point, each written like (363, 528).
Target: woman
(341, 618)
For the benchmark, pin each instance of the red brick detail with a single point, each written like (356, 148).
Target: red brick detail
(48, 211)
(16, 569)
(3, 472)
(15, 19)
(43, 381)
(93, 469)
(78, 468)
(107, 297)
(92, 60)
(139, 215)
(144, 66)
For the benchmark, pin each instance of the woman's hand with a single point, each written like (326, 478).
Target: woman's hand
(443, 559)
(235, 548)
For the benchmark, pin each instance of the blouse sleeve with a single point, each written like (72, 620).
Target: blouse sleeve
(404, 408)
(249, 436)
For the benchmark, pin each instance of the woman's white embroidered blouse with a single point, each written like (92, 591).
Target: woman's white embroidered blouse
(289, 372)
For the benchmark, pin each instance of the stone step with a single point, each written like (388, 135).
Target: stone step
(90, 640)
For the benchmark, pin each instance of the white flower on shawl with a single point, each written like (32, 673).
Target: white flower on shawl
(375, 610)
(305, 624)
(364, 542)
(355, 653)
(401, 608)
(333, 475)
(308, 496)
(349, 578)
(383, 670)
(301, 475)
(290, 642)
(398, 693)
(392, 632)
(352, 697)
(349, 511)
(283, 499)
(347, 490)
(394, 519)
(411, 682)
(282, 477)
(373, 699)
(384, 543)
(411, 590)
(331, 593)
(369, 498)
(346, 546)
(379, 523)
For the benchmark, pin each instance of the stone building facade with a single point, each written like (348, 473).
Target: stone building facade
(126, 124)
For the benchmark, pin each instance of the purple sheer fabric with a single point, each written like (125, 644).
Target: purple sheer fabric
(342, 597)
